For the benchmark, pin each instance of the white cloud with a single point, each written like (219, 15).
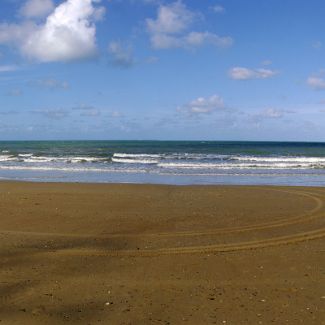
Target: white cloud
(15, 92)
(53, 114)
(36, 8)
(317, 44)
(53, 83)
(198, 39)
(203, 105)
(218, 9)
(8, 68)
(272, 113)
(152, 59)
(16, 33)
(164, 41)
(170, 29)
(241, 73)
(69, 33)
(88, 111)
(116, 114)
(120, 56)
(171, 19)
(315, 82)
(266, 62)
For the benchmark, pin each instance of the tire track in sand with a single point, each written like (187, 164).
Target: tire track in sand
(269, 242)
(277, 241)
(305, 217)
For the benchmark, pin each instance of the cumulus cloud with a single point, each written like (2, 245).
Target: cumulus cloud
(16, 33)
(36, 8)
(170, 29)
(203, 105)
(171, 19)
(69, 33)
(240, 73)
(121, 56)
(317, 83)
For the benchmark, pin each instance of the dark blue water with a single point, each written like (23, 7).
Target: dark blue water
(165, 162)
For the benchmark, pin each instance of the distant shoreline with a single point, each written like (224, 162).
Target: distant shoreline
(165, 162)
(9, 181)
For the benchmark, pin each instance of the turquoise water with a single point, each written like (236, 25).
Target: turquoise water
(165, 162)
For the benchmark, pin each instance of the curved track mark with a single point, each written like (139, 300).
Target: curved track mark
(310, 215)
(283, 240)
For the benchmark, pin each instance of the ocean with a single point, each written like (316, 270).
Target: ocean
(164, 162)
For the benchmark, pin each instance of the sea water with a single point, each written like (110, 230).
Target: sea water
(164, 162)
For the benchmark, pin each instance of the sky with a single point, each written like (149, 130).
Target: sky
(162, 70)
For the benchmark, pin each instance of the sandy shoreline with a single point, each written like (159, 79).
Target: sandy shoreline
(151, 254)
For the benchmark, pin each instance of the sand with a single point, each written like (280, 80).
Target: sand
(148, 254)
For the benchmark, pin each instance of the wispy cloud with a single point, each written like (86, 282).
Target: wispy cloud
(218, 9)
(203, 105)
(272, 113)
(8, 113)
(241, 73)
(15, 93)
(8, 68)
(52, 114)
(266, 62)
(269, 114)
(170, 29)
(52, 83)
(116, 114)
(317, 45)
(120, 55)
(86, 110)
(316, 82)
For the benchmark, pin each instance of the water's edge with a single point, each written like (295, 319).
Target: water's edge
(164, 162)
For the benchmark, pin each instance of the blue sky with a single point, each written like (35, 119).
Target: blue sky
(151, 69)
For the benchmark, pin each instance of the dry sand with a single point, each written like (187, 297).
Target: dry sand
(144, 254)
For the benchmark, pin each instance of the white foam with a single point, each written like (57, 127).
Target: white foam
(68, 159)
(240, 166)
(72, 169)
(134, 161)
(133, 155)
(281, 159)
(7, 158)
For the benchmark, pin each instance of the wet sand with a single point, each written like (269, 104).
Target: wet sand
(149, 254)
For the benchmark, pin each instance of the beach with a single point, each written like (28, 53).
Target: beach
(162, 162)
(161, 254)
